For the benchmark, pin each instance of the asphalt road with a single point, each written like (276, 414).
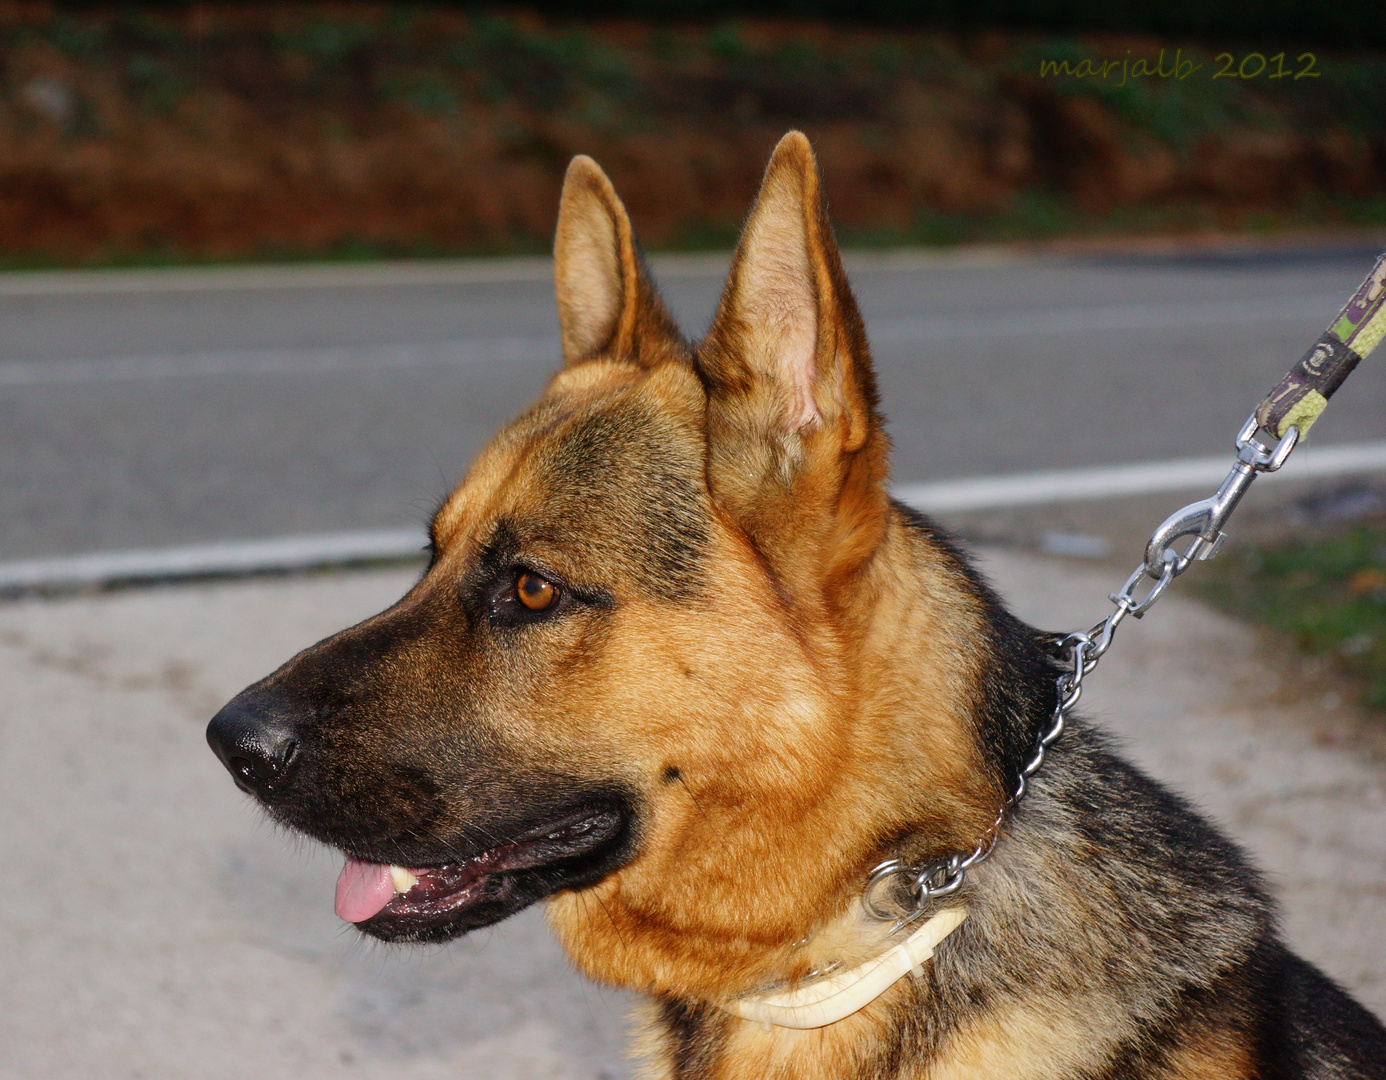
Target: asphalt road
(142, 409)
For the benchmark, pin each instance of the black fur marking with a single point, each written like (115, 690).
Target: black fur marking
(1293, 1022)
(672, 774)
(632, 491)
(695, 1035)
(1313, 1027)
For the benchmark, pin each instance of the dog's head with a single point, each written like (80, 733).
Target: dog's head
(676, 662)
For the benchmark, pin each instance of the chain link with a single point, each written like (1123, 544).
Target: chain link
(1163, 563)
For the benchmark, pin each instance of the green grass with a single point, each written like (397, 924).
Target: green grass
(1327, 592)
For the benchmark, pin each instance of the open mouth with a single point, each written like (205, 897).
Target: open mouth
(439, 901)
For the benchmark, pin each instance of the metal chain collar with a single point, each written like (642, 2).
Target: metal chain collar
(1163, 563)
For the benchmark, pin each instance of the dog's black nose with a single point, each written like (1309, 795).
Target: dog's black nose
(256, 740)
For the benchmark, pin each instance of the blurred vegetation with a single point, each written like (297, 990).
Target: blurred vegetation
(433, 63)
(216, 129)
(1327, 591)
(1345, 22)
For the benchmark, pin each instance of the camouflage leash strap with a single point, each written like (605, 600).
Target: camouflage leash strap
(1286, 414)
(1304, 392)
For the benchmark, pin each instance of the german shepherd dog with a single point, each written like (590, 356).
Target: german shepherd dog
(681, 668)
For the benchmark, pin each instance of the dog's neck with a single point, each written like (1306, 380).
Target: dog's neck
(908, 724)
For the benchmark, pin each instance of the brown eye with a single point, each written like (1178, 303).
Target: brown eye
(535, 592)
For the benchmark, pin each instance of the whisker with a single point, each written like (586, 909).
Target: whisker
(620, 936)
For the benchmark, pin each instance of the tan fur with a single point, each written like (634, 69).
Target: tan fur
(604, 294)
(793, 687)
(1044, 1039)
(719, 897)
(797, 453)
(1216, 1055)
(862, 729)
(849, 745)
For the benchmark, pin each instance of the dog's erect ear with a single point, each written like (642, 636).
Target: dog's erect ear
(607, 305)
(797, 454)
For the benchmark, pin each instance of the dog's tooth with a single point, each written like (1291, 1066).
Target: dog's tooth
(404, 879)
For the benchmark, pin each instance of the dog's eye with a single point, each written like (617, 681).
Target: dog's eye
(535, 592)
(520, 596)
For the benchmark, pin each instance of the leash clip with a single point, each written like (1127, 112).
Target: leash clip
(1203, 520)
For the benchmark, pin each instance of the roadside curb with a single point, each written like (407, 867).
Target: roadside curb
(106, 570)
(289, 554)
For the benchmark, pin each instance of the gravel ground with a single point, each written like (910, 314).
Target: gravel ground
(154, 926)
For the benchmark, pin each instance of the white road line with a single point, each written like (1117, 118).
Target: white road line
(229, 559)
(1175, 315)
(1315, 310)
(235, 558)
(1309, 462)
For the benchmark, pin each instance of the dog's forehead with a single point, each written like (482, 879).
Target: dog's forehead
(600, 471)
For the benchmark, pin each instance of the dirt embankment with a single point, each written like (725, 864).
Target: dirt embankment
(299, 129)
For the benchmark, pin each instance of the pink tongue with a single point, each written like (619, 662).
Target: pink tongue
(362, 890)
